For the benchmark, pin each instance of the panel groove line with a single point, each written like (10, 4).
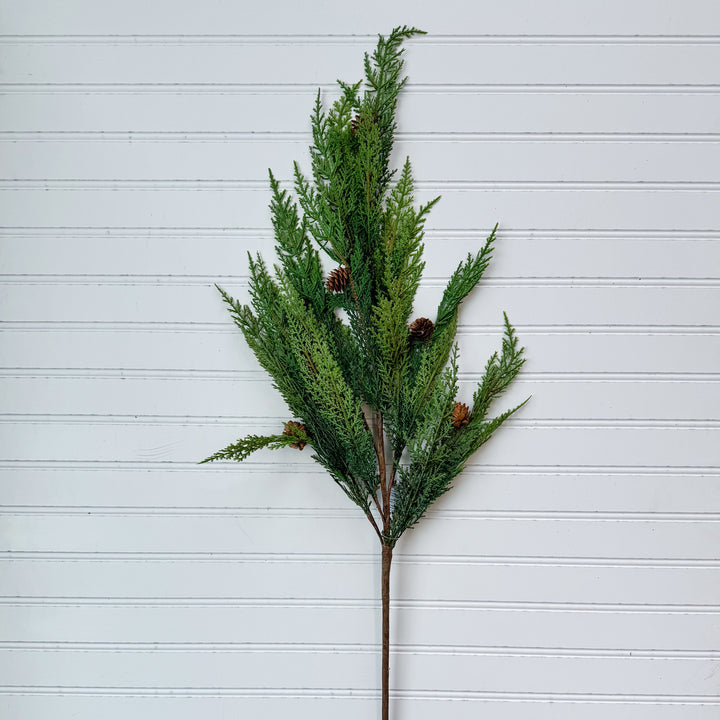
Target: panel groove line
(98, 373)
(355, 694)
(228, 136)
(414, 559)
(361, 39)
(505, 281)
(659, 611)
(619, 516)
(430, 186)
(263, 234)
(226, 327)
(308, 89)
(262, 467)
(354, 648)
(236, 420)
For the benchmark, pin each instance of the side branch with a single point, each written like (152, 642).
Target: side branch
(384, 484)
(373, 494)
(374, 524)
(393, 470)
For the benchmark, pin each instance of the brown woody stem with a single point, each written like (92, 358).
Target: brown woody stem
(385, 490)
(374, 524)
(385, 693)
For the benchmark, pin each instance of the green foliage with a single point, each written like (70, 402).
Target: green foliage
(376, 403)
(463, 281)
(248, 445)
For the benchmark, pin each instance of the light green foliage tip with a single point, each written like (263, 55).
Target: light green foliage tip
(375, 402)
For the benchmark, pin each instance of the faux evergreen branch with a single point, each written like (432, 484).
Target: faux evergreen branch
(463, 282)
(375, 388)
(246, 446)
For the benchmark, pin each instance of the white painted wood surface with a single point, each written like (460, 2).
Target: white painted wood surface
(572, 573)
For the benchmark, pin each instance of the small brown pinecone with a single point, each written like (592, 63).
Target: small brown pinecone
(421, 329)
(338, 279)
(460, 415)
(290, 427)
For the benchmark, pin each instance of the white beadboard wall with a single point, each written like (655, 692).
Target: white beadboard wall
(574, 570)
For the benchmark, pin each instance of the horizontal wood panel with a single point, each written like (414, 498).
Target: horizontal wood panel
(108, 109)
(227, 207)
(193, 440)
(226, 351)
(412, 580)
(184, 705)
(311, 669)
(87, 531)
(650, 629)
(427, 61)
(212, 157)
(222, 17)
(610, 304)
(285, 485)
(521, 253)
(553, 398)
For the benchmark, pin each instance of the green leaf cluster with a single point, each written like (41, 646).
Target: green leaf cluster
(375, 401)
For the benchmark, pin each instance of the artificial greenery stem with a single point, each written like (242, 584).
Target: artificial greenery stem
(375, 392)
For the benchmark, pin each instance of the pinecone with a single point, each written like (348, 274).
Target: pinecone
(338, 279)
(421, 329)
(290, 427)
(460, 415)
